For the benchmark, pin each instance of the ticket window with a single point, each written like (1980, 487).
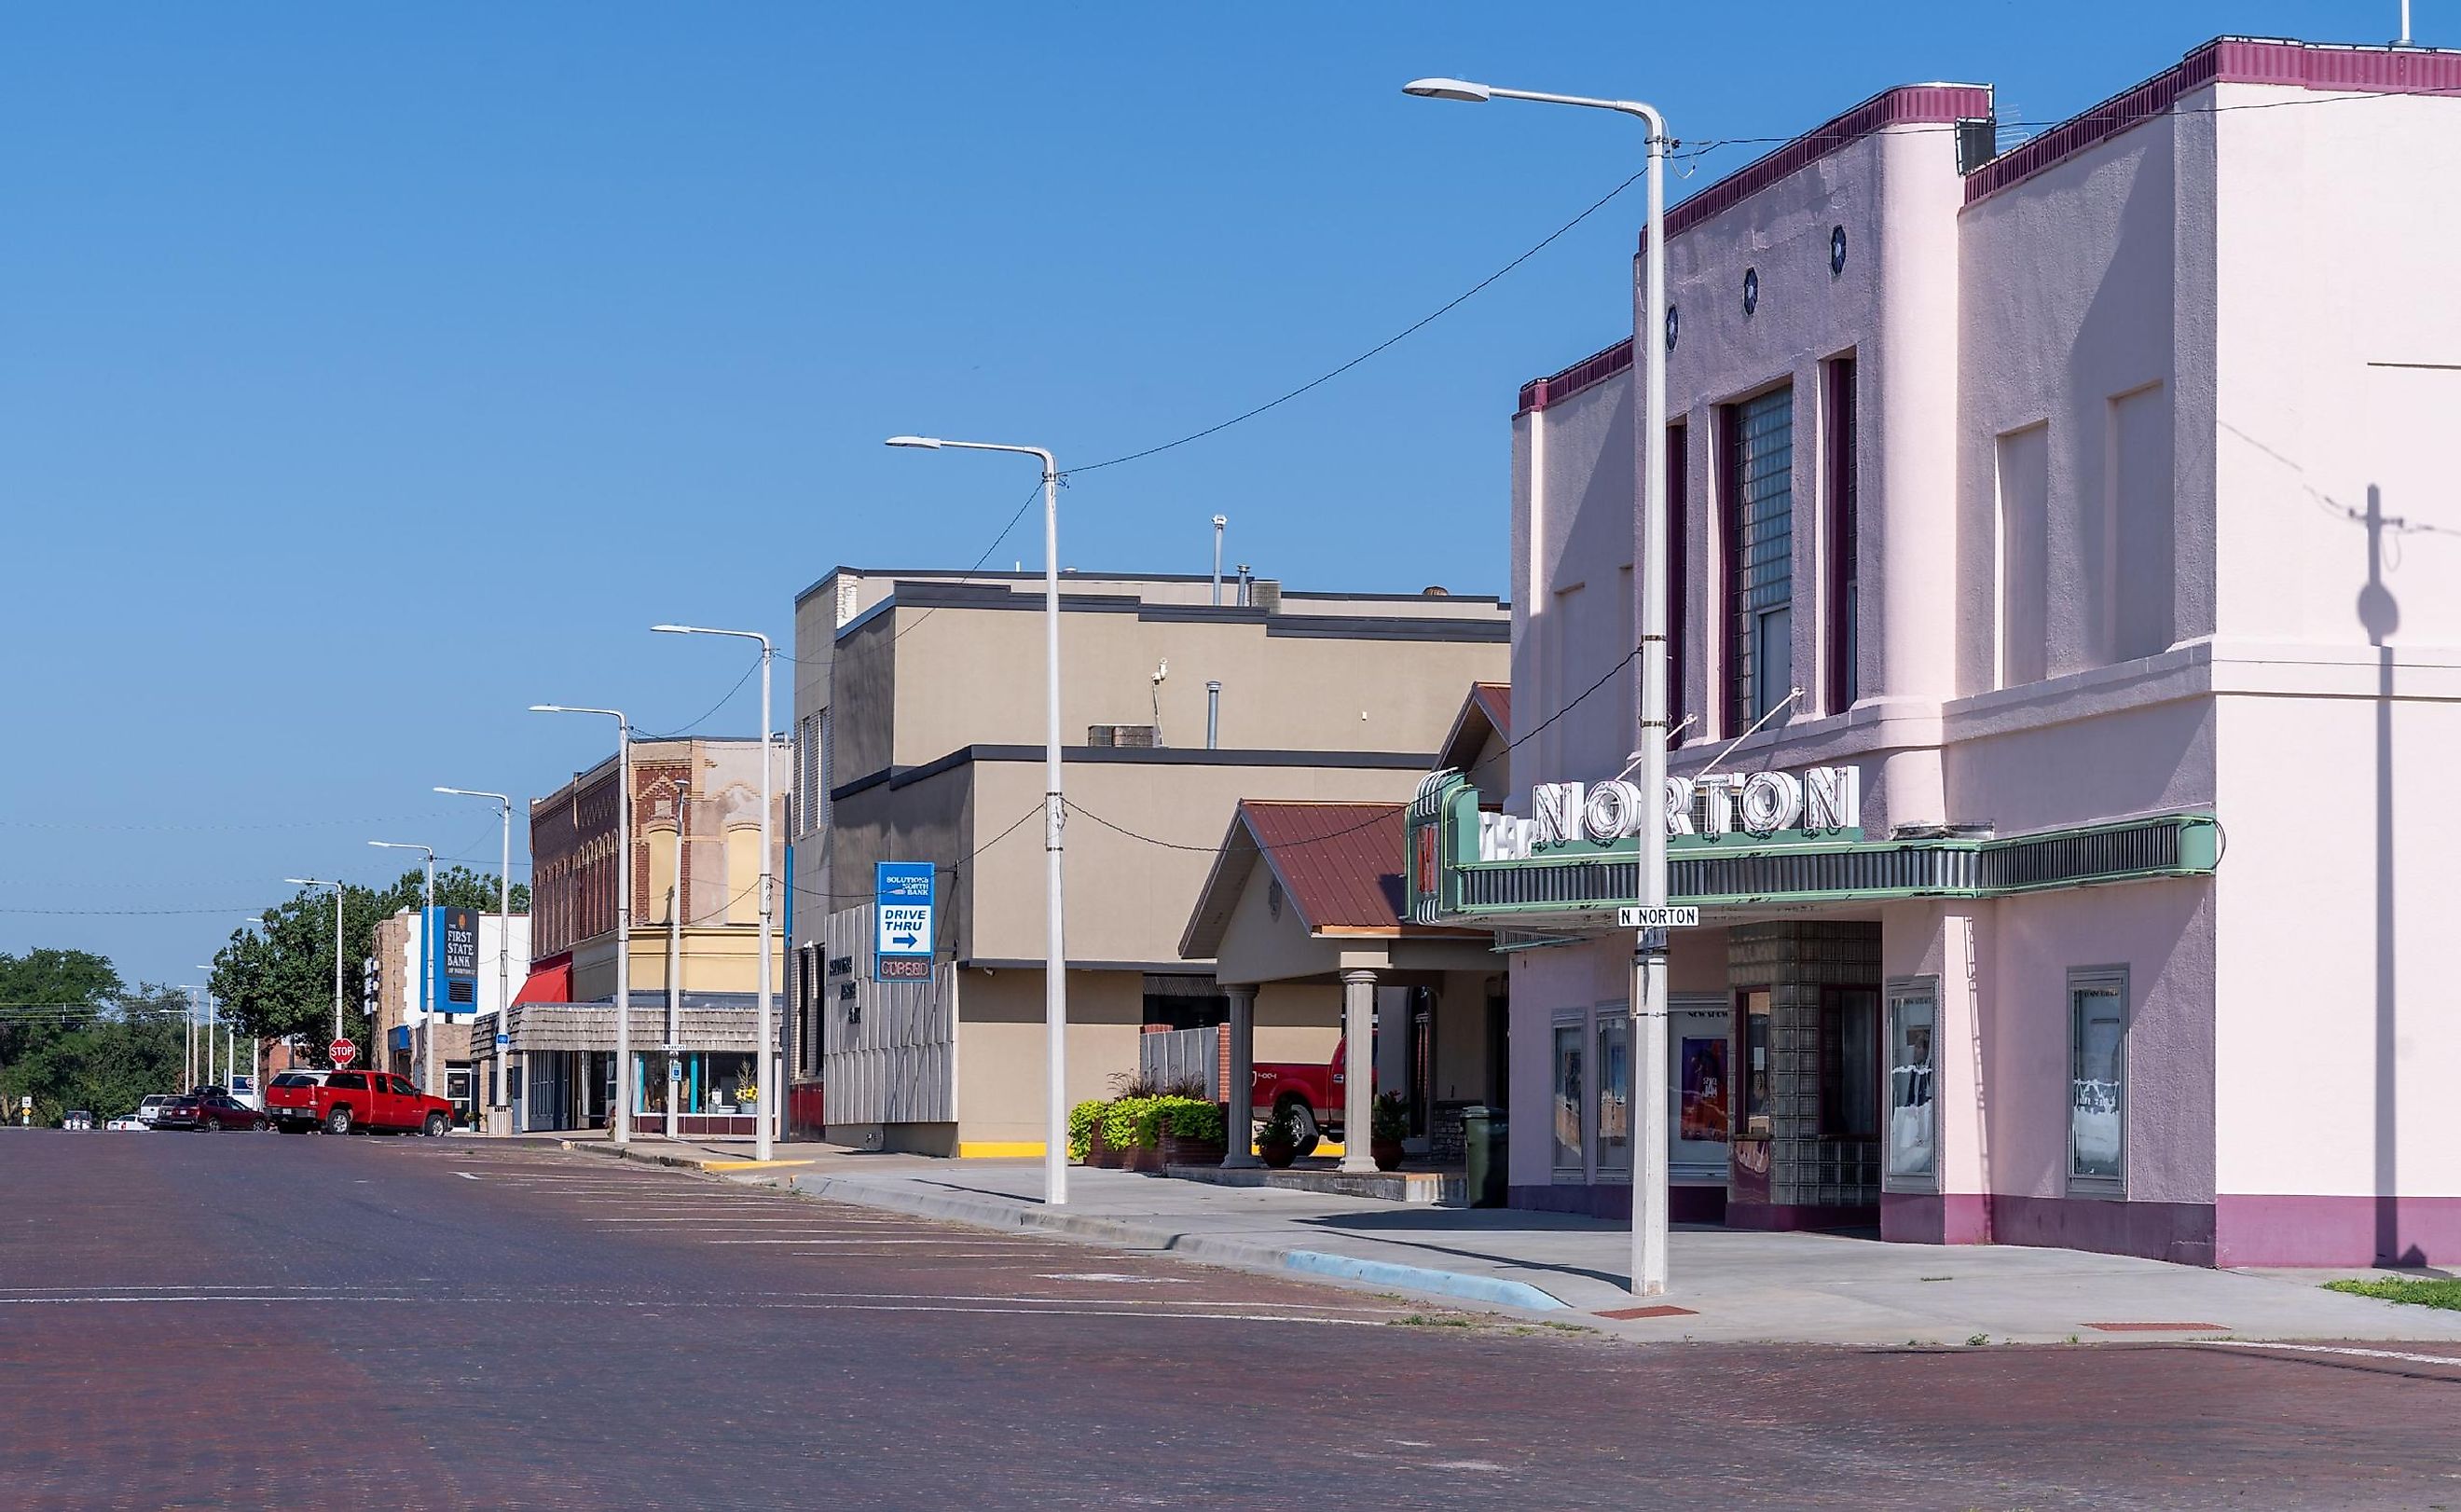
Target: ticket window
(1759, 1104)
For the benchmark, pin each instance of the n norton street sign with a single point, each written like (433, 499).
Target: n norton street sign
(1666, 916)
(901, 947)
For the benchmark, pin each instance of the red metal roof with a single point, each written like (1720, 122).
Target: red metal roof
(1340, 863)
(1497, 698)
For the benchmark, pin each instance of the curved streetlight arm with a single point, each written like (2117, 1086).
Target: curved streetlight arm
(770, 1077)
(1050, 464)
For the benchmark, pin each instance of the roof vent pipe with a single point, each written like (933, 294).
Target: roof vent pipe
(1212, 715)
(1219, 521)
(1244, 580)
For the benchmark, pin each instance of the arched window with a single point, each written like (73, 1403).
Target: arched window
(743, 876)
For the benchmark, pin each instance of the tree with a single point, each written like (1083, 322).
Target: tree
(74, 1036)
(279, 982)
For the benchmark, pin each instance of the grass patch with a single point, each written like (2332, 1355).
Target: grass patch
(2422, 1292)
(1425, 1320)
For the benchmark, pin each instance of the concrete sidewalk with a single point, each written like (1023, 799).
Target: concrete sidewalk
(1729, 1285)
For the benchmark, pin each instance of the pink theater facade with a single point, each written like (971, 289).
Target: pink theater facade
(2068, 572)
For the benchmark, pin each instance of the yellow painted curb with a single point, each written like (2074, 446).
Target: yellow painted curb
(999, 1149)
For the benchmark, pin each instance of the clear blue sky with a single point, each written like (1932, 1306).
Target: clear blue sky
(367, 374)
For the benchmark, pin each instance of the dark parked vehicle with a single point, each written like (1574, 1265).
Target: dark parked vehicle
(211, 1111)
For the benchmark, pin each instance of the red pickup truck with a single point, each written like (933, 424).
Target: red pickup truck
(344, 1100)
(1315, 1095)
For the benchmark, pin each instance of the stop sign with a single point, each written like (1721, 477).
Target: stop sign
(343, 1052)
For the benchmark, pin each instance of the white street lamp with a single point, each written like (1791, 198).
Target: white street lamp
(426, 956)
(318, 882)
(213, 1020)
(1055, 969)
(622, 1123)
(1649, 951)
(770, 1077)
(504, 939)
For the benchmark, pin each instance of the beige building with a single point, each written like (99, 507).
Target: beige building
(694, 945)
(919, 702)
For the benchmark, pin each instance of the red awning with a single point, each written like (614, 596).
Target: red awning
(548, 984)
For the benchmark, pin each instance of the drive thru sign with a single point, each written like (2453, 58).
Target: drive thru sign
(901, 947)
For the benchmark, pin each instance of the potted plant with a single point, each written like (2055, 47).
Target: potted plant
(1277, 1142)
(1392, 1125)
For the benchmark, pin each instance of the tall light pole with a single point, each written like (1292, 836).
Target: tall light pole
(426, 957)
(212, 1020)
(1649, 944)
(319, 881)
(504, 940)
(622, 1123)
(1055, 969)
(770, 1076)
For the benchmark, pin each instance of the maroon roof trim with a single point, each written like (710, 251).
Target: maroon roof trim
(1906, 105)
(1593, 370)
(2226, 60)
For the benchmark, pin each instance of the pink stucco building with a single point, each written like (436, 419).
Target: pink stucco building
(2068, 646)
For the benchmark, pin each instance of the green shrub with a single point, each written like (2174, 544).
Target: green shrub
(1080, 1128)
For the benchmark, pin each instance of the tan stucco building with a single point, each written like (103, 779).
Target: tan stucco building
(919, 704)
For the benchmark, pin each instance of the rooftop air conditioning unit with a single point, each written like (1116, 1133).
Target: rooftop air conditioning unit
(1139, 736)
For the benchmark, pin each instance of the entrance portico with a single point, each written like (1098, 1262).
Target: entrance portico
(1304, 899)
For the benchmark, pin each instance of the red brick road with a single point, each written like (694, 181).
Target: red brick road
(247, 1320)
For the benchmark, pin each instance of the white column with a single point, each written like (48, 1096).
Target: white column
(1239, 1096)
(1358, 1076)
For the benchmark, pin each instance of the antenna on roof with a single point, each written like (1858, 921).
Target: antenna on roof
(2404, 25)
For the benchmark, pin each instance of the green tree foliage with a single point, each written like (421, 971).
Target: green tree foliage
(73, 1036)
(278, 981)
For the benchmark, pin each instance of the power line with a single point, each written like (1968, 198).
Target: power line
(1389, 342)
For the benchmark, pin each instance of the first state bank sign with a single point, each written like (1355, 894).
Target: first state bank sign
(1819, 803)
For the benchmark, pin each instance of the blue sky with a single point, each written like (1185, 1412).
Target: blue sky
(370, 374)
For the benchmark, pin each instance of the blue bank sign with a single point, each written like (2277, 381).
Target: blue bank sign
(901, 947)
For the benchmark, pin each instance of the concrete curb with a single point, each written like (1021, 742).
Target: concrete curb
(686, 1163)
(982, 1212)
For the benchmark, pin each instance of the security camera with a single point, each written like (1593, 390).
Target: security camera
(1161, 670)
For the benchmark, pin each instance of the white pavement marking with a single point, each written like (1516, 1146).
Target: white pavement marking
(467, 1176)
(1112, 1275)
(2452, 1361)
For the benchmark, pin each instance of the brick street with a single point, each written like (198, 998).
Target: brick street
(251, 1320)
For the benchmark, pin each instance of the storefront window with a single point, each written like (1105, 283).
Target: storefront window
(1757, 1101)
(697, 1081)
(1912, 1119)
(1570, 1102)
(1614, 1095)
(2098, 1076)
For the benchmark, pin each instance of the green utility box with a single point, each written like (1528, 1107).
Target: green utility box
(1485, 1136)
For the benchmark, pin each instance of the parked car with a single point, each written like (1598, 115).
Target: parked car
(209, 1111)
(76, 1119)
(377, 1101)
(1314, 1094)
(291, 1100)
(131, 1122)
(151, 1109)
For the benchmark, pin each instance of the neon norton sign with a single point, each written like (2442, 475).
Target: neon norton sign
(1820, 804)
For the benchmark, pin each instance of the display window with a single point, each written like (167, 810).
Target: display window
(1614, 1095)
(1759, 1104)
(1912, 1114)
(2098, 1081)
(1569, 1106)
